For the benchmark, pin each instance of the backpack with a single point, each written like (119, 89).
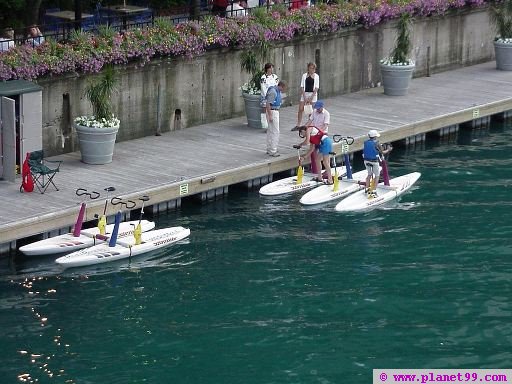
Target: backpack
(27, 184)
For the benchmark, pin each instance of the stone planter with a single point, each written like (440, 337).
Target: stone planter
(503, 52)
(96, 144)
(253, 110)
(396, 78)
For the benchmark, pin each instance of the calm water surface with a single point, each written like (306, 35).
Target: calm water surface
(266, 291)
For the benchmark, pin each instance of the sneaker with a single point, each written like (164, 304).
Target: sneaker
(316, 179)
(274, 154)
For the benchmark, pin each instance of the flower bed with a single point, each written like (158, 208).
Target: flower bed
(88, 53)
(91, 121)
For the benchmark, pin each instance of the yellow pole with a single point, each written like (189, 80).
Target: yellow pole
(137, 234)
(102, 223)
(300, 174)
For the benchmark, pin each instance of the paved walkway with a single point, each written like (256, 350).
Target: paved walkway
(228, 152)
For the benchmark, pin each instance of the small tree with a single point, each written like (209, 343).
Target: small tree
(502, 17)
(400, 53)
(251, 61)
(99, 94)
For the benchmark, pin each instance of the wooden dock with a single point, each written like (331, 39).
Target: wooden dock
(208, 158)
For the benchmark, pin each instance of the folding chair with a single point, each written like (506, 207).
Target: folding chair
(41, 173)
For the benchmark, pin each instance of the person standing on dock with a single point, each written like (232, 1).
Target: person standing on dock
(268, 79)
(309, 85)
(320, 118)
(273, 102)
(372, 151)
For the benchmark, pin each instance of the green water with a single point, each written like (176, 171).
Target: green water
(266, 291)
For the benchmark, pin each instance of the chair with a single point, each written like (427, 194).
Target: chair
(41, 173)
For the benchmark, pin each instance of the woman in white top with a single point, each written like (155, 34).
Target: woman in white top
(268, 79)
(309, 85)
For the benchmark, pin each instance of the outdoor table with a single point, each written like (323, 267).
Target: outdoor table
(67, 17)
(124, 11)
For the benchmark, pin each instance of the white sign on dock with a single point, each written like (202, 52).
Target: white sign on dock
(183, 189)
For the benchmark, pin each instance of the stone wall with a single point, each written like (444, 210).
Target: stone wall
(179, 93)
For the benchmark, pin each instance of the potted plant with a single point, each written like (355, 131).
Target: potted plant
(251, 61)
(396, 70)
(97, 133)
(502, 17)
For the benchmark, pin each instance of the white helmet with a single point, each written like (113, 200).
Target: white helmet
(373, 133)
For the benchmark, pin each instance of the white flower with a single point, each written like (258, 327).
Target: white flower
(250, 89)
(387, 61)
(90, 121)
(505, 40)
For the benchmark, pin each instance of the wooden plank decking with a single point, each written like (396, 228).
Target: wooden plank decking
(232, 152)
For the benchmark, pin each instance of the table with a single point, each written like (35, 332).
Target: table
(68, 17)
(124, 11)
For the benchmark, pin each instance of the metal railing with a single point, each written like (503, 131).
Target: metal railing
(61, 31)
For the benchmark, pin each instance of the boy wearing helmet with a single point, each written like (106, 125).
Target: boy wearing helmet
(372, 151)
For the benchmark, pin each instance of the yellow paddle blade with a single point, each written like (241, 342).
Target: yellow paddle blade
(300, 174)
(336, 182)
(102, 223)
(137, 234)
(372, 184)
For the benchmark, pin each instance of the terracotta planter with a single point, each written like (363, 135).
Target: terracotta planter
(96, 144)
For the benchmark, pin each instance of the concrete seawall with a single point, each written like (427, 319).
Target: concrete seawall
(171, 94)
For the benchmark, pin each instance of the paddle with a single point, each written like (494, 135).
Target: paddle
(335, 179)
(384, 164)
(129, 204)
(102, 221)
(300, 168)
(137, 232)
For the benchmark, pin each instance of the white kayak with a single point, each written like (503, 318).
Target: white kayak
(289, 184)
(103, 253)
(325, 193)
(359, 201)
(69, 243)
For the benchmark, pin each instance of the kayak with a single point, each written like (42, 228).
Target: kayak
(103, 253)
(359, 201)
(289, 184)
(70, 243)
(325, 193)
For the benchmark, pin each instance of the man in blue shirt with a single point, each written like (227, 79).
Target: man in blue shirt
(273, 101)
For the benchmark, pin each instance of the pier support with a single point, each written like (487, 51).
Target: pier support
(503, 116)
(259, 181)
(8, 247)
(214, 194)
(480, 123)
(56, 232)
(164, 206)
(449, 130)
